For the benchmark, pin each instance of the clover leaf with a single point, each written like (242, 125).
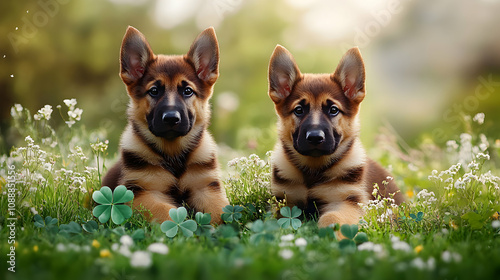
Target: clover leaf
(70, 229)
(290, 217)
(41, 223)
(352, 237)
(263, 231)
(349, 231)
(232, 213)
(90, 227)
(112, 204)
(49, 223)
(203, 221)
(418, 217)
(171, 228)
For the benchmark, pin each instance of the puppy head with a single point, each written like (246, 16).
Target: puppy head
(169, 94)
(317, 112)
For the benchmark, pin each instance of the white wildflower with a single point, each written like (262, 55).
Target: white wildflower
(29, 140)
(448, 256)
(124, 250)
(479, 118)
(418, 263)
(18, 108)
(482, 156)
(141, 259)
(70, 123)
(288, 237)
(400, 245)
(300, 242)
(459, 184)
(158, 248)
(75, 114)
(126, 240)
(452, 145)
(44, 113)
(495, 224)
(71, 103)
(47, 166)
(60, 247)
(286, 254)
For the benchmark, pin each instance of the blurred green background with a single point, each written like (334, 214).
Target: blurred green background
(427, 61)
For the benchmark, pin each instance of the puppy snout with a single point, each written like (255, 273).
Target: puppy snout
(171, 118)
(315, 137)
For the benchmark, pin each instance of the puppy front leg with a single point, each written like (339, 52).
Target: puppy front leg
(211, 199)
(156, 202)
(343, 213)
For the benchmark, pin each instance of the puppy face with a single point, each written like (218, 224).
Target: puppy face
(169, 94)
(317, 112)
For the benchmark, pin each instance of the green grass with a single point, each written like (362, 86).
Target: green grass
(448, 229)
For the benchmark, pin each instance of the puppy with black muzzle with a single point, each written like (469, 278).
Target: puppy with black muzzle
(168, 158)
(319, 163)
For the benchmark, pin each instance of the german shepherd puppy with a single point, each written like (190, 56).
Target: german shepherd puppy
(168, 157)
(319, 163)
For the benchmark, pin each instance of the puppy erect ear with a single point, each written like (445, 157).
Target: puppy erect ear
(204, 54)
(283, 72)
(351, 74)
(135, 55)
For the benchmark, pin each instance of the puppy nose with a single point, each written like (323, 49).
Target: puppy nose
(315, 137)
(171, 118)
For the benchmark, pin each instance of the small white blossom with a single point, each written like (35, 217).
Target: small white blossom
(300, 242)
(60, 247)
(400, 245)
(75, 114)
(158, 248)
(71, 103)
(288, 237)
(495, 224)
(141, 259)
(452, 145)
(447, 257)
(418, 263)
(479, 118)
(286, 254)
(70, 123)
(126, 240)
(44, 113)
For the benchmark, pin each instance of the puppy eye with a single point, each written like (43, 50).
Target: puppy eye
(153, 91)
(334, 110)
(188, 91)
(298, 111)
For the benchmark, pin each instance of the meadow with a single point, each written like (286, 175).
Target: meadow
(58, 223)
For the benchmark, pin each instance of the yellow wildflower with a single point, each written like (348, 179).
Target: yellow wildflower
(96, 244)
(495, 216)
(410, 193)
(105, 253)
(35, 248)
(418, 249)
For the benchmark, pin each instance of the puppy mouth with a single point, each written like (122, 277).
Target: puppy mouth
(169, 134)
(315, 152)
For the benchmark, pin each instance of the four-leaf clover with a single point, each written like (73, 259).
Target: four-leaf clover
(290, 217)
(232, 213)
(112, 204)
(170, 228)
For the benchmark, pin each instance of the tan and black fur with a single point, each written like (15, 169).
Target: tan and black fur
(319, 163)
(167, 156)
